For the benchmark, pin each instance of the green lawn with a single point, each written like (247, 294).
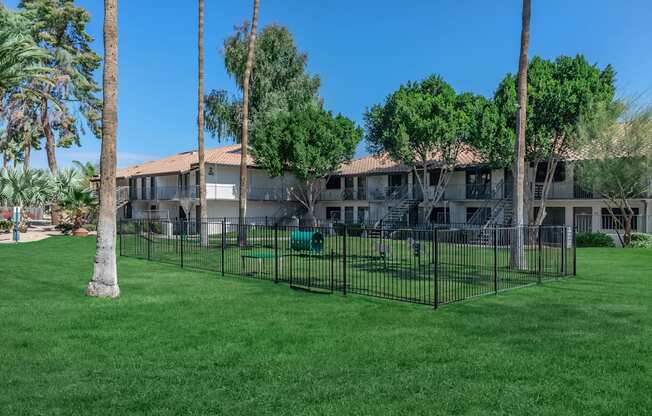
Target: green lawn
(189, 342)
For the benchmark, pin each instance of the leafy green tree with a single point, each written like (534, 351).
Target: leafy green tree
(425, 125)
(22, 124)
(279, 82)
(59, 27)
(311, 144)
(617, 140)
(559, 92)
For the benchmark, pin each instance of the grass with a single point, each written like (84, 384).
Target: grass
(188, 342)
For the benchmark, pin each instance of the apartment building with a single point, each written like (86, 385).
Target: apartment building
(367, 190)
(169, 187)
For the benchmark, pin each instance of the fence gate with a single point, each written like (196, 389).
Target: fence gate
(311, 258)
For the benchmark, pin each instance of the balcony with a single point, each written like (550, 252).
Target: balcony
(389, 193)
(213, 192)
(563, 190)
(162, 193)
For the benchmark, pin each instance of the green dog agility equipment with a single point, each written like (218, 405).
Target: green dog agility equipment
(306, 241)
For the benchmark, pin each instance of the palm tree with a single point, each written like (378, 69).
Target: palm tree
(25, 188)
(203, 208)
(242, 213)
(518, 240)
(88, 171)
(105, 274)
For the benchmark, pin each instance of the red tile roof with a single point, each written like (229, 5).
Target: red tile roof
(230, 156)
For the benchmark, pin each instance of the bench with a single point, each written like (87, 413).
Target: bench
(260, 257)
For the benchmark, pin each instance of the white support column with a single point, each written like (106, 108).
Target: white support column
(596, 219)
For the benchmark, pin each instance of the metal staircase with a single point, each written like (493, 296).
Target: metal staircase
(396, 214)
(121, 196)
(498, 203)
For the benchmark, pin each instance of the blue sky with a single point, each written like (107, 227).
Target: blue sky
(361, 49)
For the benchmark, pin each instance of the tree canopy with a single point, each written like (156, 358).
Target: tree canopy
(423, 124)
(617, 142)
(59, 27)
(20, 57)
(559, 93)
(279, 81)
(311, 143)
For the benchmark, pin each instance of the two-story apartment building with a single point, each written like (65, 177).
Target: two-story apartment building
(367, 190)
(374, 188)
(169, 187)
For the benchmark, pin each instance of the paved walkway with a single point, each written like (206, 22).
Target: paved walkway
(32, 234)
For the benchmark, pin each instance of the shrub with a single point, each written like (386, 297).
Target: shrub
(5, 226)
(90, 227)
(641, 240)
(155, 227)
(594, 240)
(65, 227)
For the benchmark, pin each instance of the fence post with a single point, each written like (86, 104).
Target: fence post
(149, 239)
(120, 230)
(574, 252)
(182, 230)
(275, 252)
(495, 238)
(344, 261)
(435, 260)
(331, 269)
(540, 252)
(223, 243)
(563, 251)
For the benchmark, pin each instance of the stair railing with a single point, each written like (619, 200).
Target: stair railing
(495, 199)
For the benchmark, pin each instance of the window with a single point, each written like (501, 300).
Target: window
(348, 187)
(348, 215)
(152, 188)
(554, 215)
(143, 188)
(334, 182)
(478, 183)
(333, 213)
(362, 194)
(363, 214)
(395, 180)
(558, 176)
(434, 176)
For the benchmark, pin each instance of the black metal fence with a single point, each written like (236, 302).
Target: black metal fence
(426, 266)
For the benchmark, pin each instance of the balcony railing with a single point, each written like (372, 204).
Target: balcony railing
(213, 192)
(390, 193)
(563, 190)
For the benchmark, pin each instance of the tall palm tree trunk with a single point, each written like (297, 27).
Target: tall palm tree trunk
(203, 207)
(242, 213)
(105, 274)
(517, 249)
(27, 151)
